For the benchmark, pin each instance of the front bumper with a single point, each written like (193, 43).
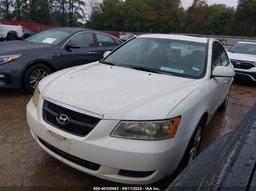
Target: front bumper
(5, 79)
(247, 75)
(120, 160)
(11, 75)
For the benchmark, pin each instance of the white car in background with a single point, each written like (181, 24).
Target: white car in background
(11, 32)
(136, 116)
(243, 56)
(127, 36)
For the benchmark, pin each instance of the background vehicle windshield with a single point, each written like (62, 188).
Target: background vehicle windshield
(180, 58)
(49, 37)
(244, 48)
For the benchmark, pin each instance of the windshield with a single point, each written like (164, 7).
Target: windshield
(49, 37)
(180, 58)
(244, 48)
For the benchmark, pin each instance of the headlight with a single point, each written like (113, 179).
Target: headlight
(9, 58)
(147, 130)
(35, 98)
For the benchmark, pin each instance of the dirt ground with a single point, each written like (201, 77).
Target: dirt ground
(23, 163)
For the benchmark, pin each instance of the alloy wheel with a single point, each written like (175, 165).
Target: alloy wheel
(194, 150)
(37, 75)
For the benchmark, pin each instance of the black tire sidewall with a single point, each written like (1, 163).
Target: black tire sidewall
(185, 160)
(27, 74)
(11, 36)
(224, 105)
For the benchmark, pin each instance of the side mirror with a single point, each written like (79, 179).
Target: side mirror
(223, 71)
(106, 54)
(72, 46)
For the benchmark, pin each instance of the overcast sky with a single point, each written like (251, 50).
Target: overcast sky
(231, 3)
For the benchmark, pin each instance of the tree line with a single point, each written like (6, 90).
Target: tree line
(57, 12)
(168, 16)
(162, 16)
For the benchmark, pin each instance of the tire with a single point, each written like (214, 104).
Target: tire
(193, 148)
(33, 75)
(195, 143)
(224, 105)
(12, 36)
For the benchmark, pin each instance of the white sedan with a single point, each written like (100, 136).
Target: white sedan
(137, 115)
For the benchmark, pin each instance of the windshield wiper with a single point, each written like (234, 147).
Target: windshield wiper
(141, 68)
(105, 62)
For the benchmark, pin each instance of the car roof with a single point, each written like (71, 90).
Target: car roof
(71, 29)
(246, 42)
(176, 37)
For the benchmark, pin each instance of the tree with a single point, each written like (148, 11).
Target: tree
(135, 15)
(58, 12)
(5, 8)
(21, 9)
(220, 20)
(196, 17)
(245, 17)
(106, 15)
(165, 16)
(39, 11)
(75, 10)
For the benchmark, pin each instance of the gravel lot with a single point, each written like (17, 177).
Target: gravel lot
(23, 163)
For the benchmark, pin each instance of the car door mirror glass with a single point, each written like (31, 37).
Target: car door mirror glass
(106, 54)
(223, 71)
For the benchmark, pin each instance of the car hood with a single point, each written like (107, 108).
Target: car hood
(242, 57)
(117, 92)
(9, 47)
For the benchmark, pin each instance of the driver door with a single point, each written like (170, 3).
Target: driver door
(221, 85)
(79, 50)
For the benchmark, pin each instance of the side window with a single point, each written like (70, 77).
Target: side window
(219, 55)
(84, 40)
(216, 55)
(104, 40)
(224, 57)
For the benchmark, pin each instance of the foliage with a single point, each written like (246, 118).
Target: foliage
(5, 8)
(245, 18)
(106, 15)
(60, 12)
(163, 16)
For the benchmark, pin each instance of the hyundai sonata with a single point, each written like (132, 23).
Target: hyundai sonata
(138, 114)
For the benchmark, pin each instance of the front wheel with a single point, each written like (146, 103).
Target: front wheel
(33, 76)
(194, 146)
(11, 36)
(224, 105)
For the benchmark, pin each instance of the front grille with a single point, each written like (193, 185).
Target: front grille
(76, 123)
(71, 158)
(242, 64)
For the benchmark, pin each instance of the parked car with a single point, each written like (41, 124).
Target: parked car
(10, 32)
(27, 33)
(138, 114)
(127, 36)
(25, 63)
(243, 57)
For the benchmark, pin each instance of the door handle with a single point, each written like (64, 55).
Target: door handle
(92, 52)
